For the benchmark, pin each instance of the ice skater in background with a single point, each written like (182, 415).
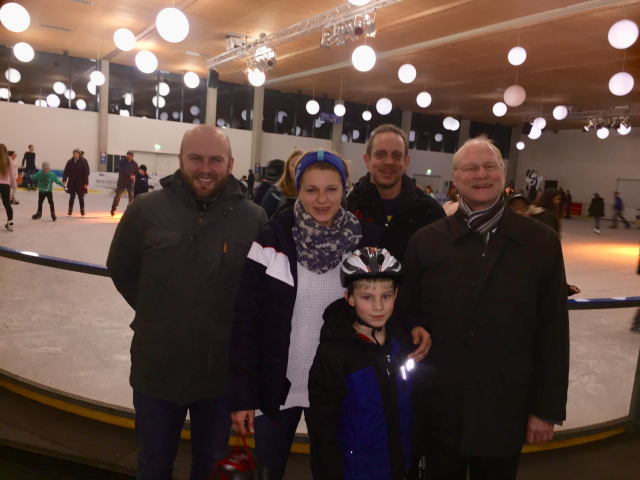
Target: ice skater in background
(44, 180)
(7, 181)
(141, 184)
(127, 170)
(76, 179)
(14, 167)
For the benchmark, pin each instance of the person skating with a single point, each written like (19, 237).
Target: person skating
(29, 159)
(127, 170)
(596, 210)
(618, 208)
(44, 180)
(76, 180)
(7, 181)
(14, 166)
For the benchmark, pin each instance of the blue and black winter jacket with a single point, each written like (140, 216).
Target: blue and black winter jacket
(360, 409)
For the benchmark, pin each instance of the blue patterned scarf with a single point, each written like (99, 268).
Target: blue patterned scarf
(319, 248)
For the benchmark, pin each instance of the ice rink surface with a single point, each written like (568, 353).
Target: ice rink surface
(70, 331)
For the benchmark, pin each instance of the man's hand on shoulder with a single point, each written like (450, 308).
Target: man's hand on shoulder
(539, 432)
(422, 338)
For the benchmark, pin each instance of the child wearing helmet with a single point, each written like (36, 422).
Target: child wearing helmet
(360, 382)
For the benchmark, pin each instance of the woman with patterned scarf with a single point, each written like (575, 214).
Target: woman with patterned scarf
(291, 275)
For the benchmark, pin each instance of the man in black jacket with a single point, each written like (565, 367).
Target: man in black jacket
(30, 160)
(177, 258)
(387, 197)
(489, 286)
(127, 170)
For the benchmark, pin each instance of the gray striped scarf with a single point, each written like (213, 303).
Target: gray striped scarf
(483, 221)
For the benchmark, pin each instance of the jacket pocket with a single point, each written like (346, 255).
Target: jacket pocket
(158, 239)
(149, 355)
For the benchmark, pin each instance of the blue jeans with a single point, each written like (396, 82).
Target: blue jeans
(158, 427)
(274, 441)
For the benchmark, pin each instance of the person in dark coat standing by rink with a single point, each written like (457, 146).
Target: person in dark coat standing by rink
(29, 159)
(250, 182)
(76, 180)
(567, 206)
(127, 170)
(489, 286)
(596, 210)
(177, 258)
(387, 197)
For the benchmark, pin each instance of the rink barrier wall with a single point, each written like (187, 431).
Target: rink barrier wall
(125, 417)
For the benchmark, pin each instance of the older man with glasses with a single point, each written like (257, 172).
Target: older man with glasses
(489, 286)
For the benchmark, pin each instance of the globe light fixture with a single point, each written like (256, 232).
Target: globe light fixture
(535, 133)
(23, 52)
(14, 17)
(621, 84)
(520, 145)
(407, 73)
(423, 99)
(124, 113)
(124, 39)
(363, 58)
(560, 112)
(20, 102)
(256, 77)
(384, 106)
(517, 56)
(624, 129)
(194, 110)
(4, 93)
(172, 25)
(339, 109)
(175, 115)
(359, 3)
(449, 123)
(127, 99)
(345, 138)
(355, 134)
(98, 78)
(81, 104)
(59, 88)
(220, 122)
(69, 94)
(438, 137)
(500, 109)
(366, 115)
(623, 34)
(456, 126)
(164, 116)
(196, 121)
(191, 79)
(12, 75)
(53, 100)
(540, 123)
(313, 107)
(603, 133)
(158, 101)
(163, 89)
(91, 87)
(514, 96)
(41, 103)
(146, 61)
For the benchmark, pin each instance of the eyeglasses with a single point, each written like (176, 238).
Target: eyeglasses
(472, 168)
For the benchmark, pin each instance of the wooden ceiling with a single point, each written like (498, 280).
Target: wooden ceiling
(459, 48)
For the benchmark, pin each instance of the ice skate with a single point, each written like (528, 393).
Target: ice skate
(53, 216)
(596, 230)
(37, 216)
(70, 211)
(82, 212)
(9, 226)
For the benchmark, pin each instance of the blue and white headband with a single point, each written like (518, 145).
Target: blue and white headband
(321, 156)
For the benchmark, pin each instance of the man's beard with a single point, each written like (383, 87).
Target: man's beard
(219, 186)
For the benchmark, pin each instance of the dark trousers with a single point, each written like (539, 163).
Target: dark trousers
(72, 199)
(444, 462)
(119, 191)
(158, 427)
(616, 214)
(274, 441)
(29, 172)
(49, 197)
(5, 193)
(568, 210)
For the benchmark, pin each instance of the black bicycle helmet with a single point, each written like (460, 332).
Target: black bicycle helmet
(370, 262)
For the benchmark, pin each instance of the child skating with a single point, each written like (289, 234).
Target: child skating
(44, 181)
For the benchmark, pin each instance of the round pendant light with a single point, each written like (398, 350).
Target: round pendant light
(621, 84)
(313, 107)
(623, 130)
(339, 109)
(191, 79)
(127, 99)
(345, 138)
(540, 123)
(124, 39)
(4, 93)
(163, 89)
(158, 101)
(194, 110)
(363, 58)
(366, 115)
(438, 137)
(53, 100)
(623, 34)
(12, 75)
(256, 78)
(69, 94)
(23, 52)
(172, 25)
(407, 73)
(514, 96)
(560, 112)
(500, 109)
(603, 133)
(98, 78)
(146, 61)
(14, 17)
(517, 56)
(384, 106)
(423, 99)
(59, 88)
(90, 86)
(535, 133)
(449, 123)
(164, 116)
(41, 103)
(520, 145)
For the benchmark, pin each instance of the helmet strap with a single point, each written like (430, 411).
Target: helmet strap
(373, 329)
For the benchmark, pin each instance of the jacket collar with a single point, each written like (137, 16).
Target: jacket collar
(511, 226)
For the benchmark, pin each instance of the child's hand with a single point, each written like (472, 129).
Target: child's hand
(422, 338)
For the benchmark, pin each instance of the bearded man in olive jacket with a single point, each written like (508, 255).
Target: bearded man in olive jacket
(489, 286)
(177, 258)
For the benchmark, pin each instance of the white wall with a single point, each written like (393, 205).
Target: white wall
(54, 132)
(141, 134)
(581, 162)
(275, 145)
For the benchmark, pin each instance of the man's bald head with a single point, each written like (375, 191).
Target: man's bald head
(204, 131)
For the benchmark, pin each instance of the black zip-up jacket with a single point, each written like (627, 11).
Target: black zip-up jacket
(179, 268)
(417, 211)
(360, 402)
(141, 185)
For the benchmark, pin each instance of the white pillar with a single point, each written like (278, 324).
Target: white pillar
(103, 114)
(256, 135)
